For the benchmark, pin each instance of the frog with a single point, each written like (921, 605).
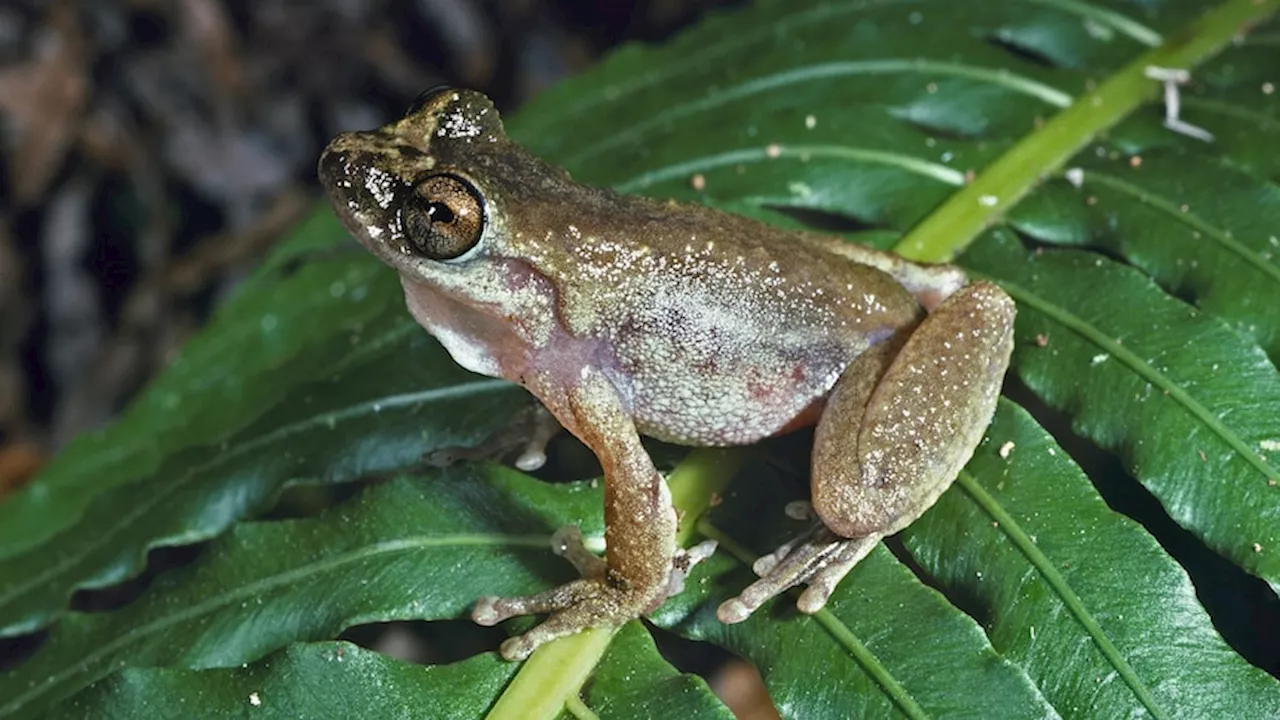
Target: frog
(628, 317)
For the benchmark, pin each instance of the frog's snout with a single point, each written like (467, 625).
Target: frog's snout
(335, 162)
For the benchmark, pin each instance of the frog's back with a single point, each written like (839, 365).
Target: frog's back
(722, 330)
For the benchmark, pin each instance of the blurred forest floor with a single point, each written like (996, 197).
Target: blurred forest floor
(154, 150)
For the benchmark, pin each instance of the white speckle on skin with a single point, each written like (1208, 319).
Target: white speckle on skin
(255, 699)
(458, 125)
(988, 201)
(381, 186)
(1098, 359)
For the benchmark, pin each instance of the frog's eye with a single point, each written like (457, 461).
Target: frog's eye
(425, 97)
(444, 218)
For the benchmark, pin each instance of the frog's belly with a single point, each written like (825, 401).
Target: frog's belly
(717, 399)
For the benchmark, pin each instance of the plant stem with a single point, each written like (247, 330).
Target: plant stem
(947, 231)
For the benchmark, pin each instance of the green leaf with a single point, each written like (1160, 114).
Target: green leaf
(258, 348)
(1188, 405)
(424, 550)
(635, 681)
(1211, 237)
(1027, 540)
(932, 124)
(414, 399)
(632, 681)
(283, 685)
(405, 550)
(885, 645)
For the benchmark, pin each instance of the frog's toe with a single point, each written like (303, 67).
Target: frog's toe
(525, 438)
(491, 610)
(820, 560)
(684, 562)
(824, 579)
(567, 543)
(593, 601)
(573, 607)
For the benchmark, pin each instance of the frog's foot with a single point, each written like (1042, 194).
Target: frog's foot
(526, 437)
(575, 606)
(819, 559)
(593, 601)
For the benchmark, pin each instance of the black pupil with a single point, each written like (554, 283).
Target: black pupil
(438, 212)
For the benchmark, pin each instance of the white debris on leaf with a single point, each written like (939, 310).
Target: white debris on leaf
(1172, 78)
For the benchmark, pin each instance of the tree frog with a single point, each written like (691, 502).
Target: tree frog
(629, 316)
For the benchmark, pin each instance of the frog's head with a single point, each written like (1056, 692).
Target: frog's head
(444, 197)
(401, 189)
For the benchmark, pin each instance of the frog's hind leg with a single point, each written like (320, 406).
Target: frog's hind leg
(895, 432)
(643, 565)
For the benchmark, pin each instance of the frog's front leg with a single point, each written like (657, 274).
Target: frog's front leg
(643, 565)
(896, 431)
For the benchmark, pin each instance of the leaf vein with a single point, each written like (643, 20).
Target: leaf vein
(284, 432)
(1231, 110)
(934, 171)
(932, 68)
(262, 587)
(1190, 219)
(681, 64)
(1012, 530)
(1120, 23)
(836, 628)
(1140, 367)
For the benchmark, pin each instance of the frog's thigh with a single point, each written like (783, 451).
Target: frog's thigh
(920, 423)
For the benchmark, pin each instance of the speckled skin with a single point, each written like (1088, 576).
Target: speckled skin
(631, 316)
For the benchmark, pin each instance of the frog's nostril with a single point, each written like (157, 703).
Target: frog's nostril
(332, 166)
